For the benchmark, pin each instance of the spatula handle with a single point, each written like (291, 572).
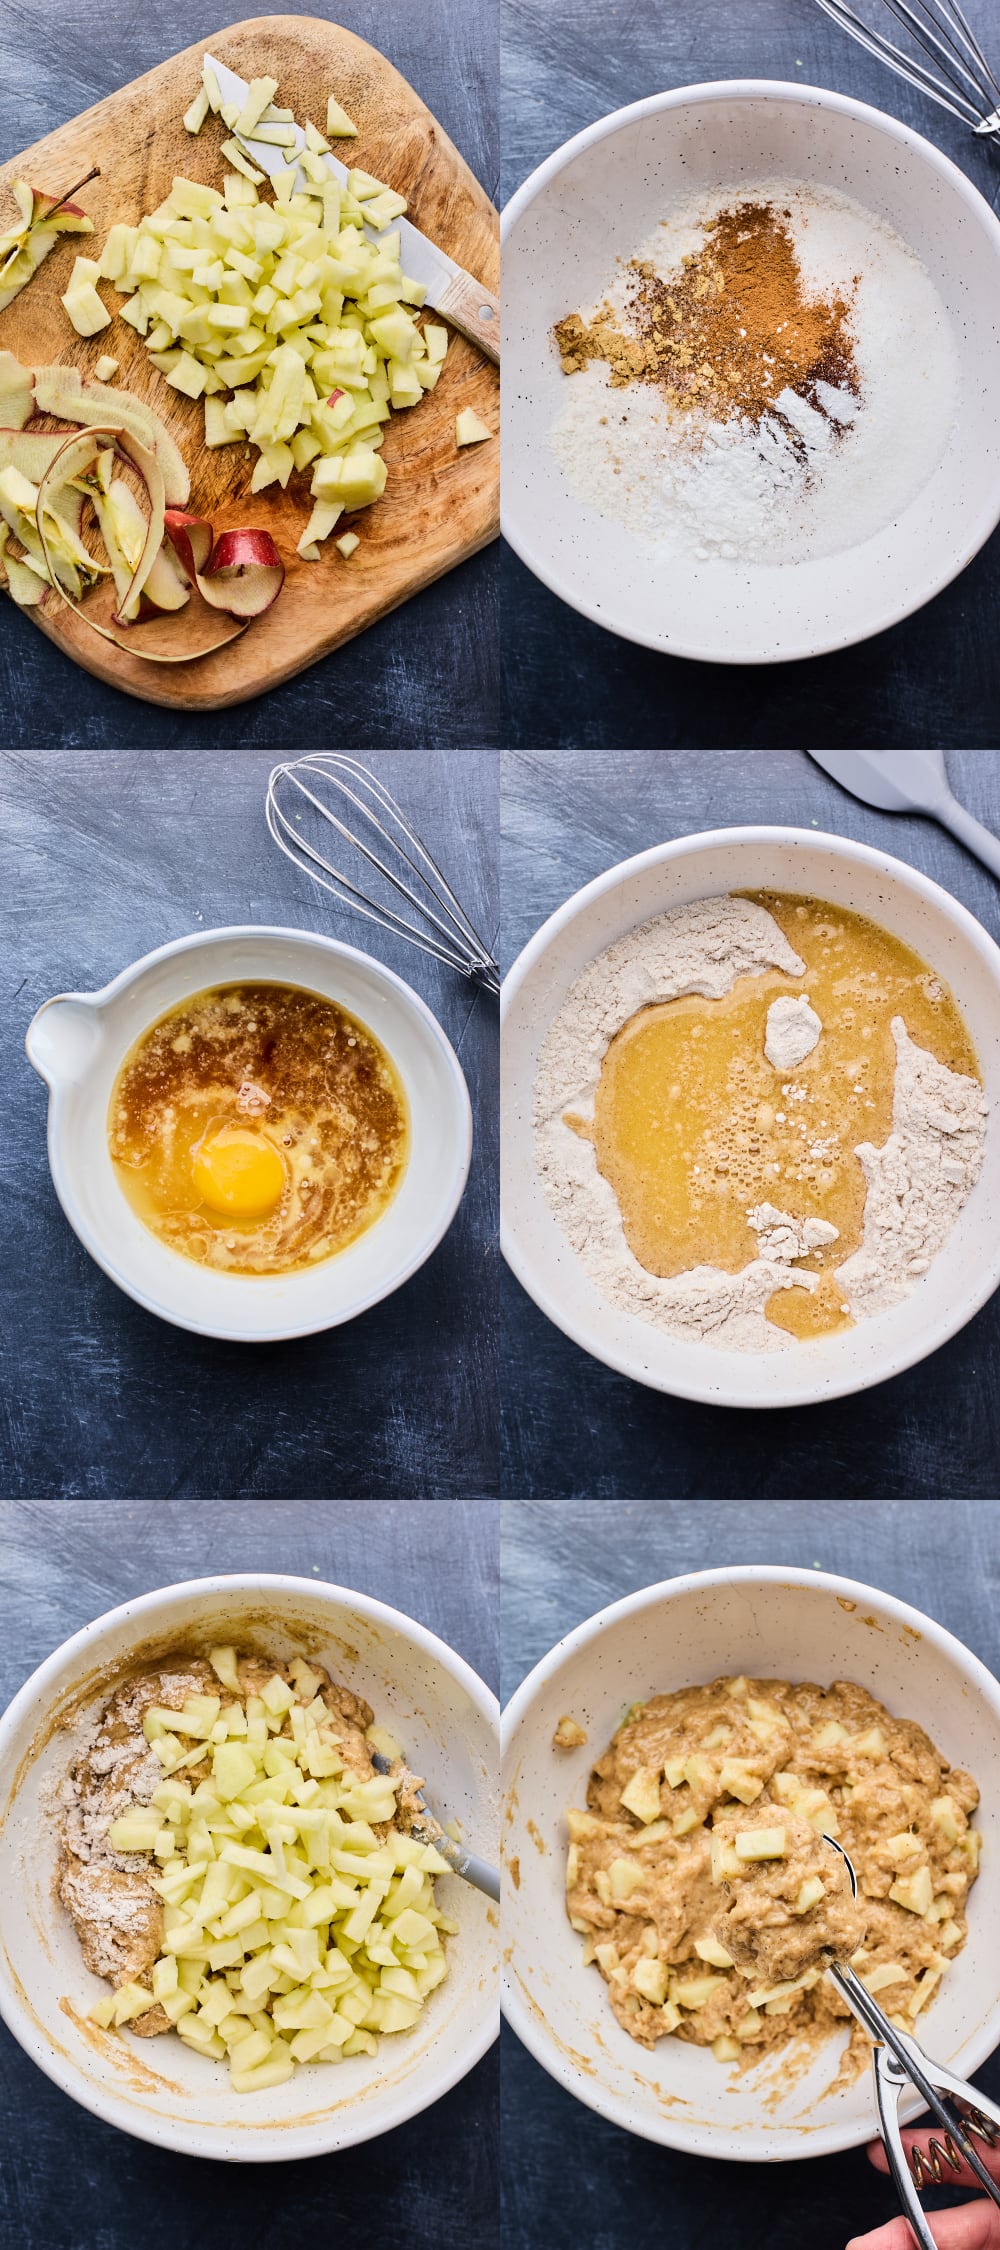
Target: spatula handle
(475, 312)
(971, 833)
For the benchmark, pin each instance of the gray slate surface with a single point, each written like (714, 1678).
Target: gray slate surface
(428, 673)
(68, 2182)
(574, 1427)
(104, 855)
(562, 1562)
(933, 678)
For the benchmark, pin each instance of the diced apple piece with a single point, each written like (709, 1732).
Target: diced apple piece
(694, 1992)
(641, 1794)
(232, 151)
(871, 1744)
(624, 1877)
(739, 1779)
(436, 339)
(809, 1894)
(902, 1847)
(726, 1867)
(260, 93)
(830, 1735)
(915, 1892)
(469, 430)
(194, 117)
(106, 367)
(339, 126)
(650, 1979)
(709, 1949)
(81, 300)
(760, 1843)
(880, 1978)
(684, 1822)
(944, 1814)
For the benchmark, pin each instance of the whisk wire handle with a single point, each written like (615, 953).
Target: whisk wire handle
(956, 61)
(447, 933)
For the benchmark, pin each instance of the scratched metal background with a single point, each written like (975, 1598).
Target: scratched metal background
(69, 2182)
(428, 673)
(934, 678)
(104, 855)
(573, 1426)
(577, 2179)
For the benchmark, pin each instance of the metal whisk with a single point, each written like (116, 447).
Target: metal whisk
(955, 72)
(299, 812)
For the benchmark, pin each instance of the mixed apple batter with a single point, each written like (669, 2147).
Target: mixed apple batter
(699, 1879)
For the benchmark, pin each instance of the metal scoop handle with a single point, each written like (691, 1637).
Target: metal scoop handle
(898, 2062)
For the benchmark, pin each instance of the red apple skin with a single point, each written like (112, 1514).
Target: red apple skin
(191, 539)
(235, 550)
(334, 395)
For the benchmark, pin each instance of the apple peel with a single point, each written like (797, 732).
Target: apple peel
(244, 575)
(75, 456)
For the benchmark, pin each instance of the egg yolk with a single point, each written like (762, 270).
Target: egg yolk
(238, 1172)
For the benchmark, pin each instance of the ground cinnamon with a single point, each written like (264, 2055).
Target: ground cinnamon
(730, 332)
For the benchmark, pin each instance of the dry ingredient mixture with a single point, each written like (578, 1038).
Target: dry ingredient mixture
(738, 386)
(239, 1860)
(757, 1119)
(693, 1874)
(258, 1128)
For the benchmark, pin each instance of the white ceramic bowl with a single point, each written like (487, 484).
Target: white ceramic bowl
(78, 1042)
(967, 1268)
(445, 1719)
(772, 1623)
(595, 200)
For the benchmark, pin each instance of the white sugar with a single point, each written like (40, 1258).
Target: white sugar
(713, 489)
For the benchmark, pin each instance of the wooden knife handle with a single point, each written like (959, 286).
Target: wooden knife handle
(474, 312)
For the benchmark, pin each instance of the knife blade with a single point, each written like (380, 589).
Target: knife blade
(461, 300)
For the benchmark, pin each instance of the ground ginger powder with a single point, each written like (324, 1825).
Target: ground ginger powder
(733, 330)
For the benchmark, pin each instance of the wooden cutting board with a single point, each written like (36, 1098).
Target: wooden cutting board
(440, 503)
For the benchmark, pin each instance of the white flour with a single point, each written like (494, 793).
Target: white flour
(793, 1029)
(917, 1183)
(708, 489)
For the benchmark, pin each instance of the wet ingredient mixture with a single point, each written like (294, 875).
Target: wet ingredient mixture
(258, 1128)
(728, 1125)
(692, 1880)
(239, 1868)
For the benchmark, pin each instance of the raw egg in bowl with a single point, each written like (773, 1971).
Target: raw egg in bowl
(257, 1133)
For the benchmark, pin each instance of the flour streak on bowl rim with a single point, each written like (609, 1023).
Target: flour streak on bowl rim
(459, 1153)
(515, 523)
(517, 1238)
(53, 1685)
(528, 2022)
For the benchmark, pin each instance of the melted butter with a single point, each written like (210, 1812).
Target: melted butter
(693, 1127)
(258, 1128)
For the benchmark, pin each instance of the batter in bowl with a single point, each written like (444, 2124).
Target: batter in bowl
(669, 1912)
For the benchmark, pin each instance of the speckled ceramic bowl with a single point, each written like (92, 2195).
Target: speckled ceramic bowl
(967, 1268)
(772, 1623)
(78, 1042)
(160, 2090)
(595, 200)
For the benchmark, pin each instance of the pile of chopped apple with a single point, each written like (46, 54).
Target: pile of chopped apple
(294, 325)
(43, 219)
(50, 478)
(292, 1932)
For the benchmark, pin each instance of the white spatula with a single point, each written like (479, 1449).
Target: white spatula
(910, 781)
